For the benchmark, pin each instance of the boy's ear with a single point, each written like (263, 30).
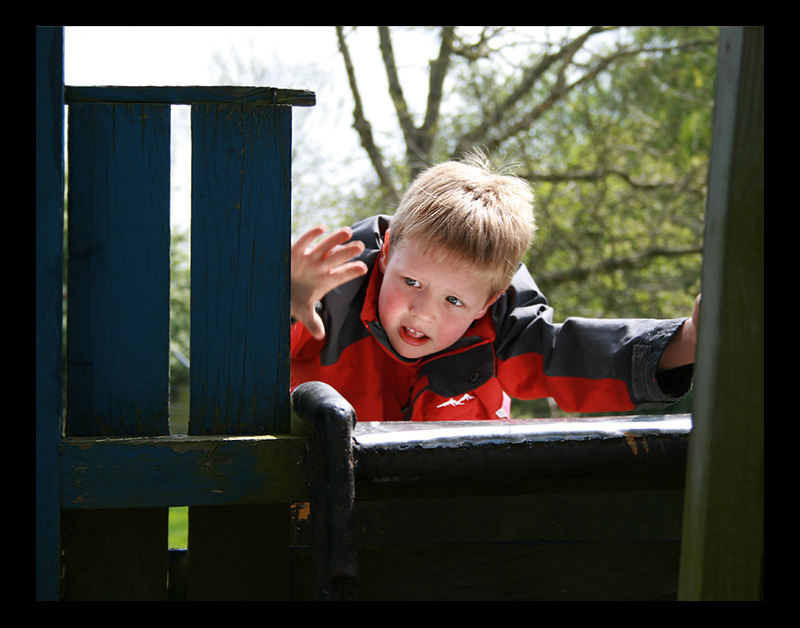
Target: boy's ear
(489, 304)
(383, 256)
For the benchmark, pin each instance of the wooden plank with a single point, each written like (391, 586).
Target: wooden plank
(567, 543)
(181, 471)
(241, 173)
(118, 304)
(239, 552)
(566, 513)
(723, 536)
(115, 555)
(241, 222)
(585, 571)
(118, 333)
(49, 261)
(189, 95)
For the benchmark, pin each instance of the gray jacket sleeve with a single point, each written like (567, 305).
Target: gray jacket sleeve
(583, 351)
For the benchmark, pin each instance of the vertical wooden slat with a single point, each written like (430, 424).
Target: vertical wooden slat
(49, 260)
(118, 331)
(239, 552)
(241, 219)
(118, 312)
(241, 187)
(723, 532)
(115, 555)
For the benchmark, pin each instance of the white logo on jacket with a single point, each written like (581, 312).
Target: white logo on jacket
(456, 402)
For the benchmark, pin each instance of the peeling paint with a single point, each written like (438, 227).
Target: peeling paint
(634, 444)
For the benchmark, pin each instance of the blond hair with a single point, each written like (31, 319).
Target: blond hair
(471, 214)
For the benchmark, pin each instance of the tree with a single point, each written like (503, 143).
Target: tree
(612, 126)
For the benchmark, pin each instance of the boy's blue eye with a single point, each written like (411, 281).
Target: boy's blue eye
(413, 283)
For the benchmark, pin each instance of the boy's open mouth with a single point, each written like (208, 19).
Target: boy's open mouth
(412, 336)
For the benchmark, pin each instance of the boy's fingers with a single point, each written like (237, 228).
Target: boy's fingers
(312, 322)
(340, 275)
(305, 240)
(345, 252)
(330, 243)
(346, 272)
(315, 327)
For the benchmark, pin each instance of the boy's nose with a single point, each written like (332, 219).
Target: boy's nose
(422, 310)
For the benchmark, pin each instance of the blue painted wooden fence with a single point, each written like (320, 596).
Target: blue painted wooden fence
(106, 478)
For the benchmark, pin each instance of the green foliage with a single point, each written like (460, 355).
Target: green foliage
(619, 167)
(179, 527)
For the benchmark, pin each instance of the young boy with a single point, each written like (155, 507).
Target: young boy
(429, 315)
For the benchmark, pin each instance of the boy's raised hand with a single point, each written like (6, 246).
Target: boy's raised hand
(319, 268)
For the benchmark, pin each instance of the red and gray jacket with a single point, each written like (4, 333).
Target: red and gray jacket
(586, 365)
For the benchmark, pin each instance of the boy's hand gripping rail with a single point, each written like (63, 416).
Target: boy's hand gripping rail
(330, 478)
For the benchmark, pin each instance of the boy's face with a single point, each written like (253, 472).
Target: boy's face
(425, 307)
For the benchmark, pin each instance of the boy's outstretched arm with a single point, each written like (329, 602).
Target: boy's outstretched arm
(681, 348)
(319, 268)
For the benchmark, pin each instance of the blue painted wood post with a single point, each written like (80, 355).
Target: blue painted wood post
(49, 262)
(241, 228)
(118, 331)
(241, 222)
(119, 235)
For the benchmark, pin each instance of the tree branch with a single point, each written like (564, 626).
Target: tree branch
(534, 73)
(529, 78)
(525, 122)
(596, 175)
(438, 72)
(363, 127)
(614, 263)
(395, 90)
(418, 140)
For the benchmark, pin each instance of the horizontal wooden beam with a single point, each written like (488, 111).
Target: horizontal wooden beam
(181, 471)
(99, 473)
(520, 456)
(187, 95)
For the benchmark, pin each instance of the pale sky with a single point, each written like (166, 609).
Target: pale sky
(183, 55)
